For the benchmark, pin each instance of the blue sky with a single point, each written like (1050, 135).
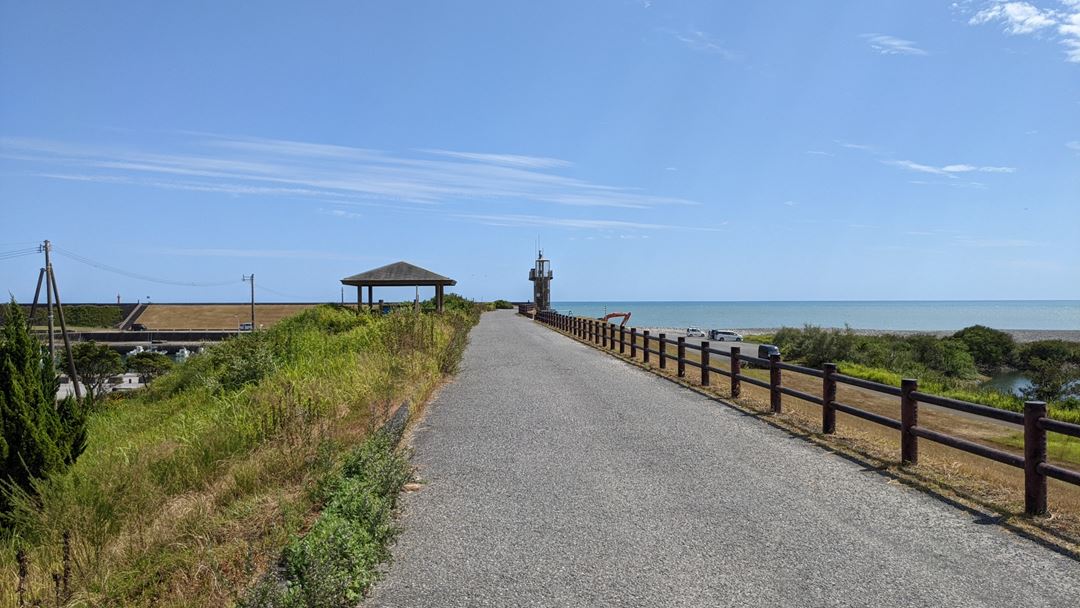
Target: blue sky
(659, 150)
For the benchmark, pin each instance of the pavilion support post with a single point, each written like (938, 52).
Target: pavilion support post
(439, 298)
(359, 297)
(371, 296)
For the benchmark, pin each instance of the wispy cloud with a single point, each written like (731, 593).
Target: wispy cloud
(342, 213)
(1073, 145)
(891, 45)
(510, 160)
(855, 146)
(947, 170)
(1016, 17)
(819, 153)
(1060, 22)
(968, 241)
(536, 220)
(700, 41)
(292, 254)
(270, 167)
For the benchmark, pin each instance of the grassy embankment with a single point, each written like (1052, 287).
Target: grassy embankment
(982, 484)
(188, 492)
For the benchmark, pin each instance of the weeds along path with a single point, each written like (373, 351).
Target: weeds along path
(555, 475)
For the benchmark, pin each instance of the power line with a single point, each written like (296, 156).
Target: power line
(261, 287)
(134, 275)
(18, 253)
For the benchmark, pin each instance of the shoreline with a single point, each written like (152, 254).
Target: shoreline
(1020, 335)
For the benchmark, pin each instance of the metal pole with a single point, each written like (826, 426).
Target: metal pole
(37, 294)
(49, 298)
(67, 341)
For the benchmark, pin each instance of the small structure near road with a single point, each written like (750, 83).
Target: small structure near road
(541, 276)
(398, 274)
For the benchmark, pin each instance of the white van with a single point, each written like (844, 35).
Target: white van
(724, 335)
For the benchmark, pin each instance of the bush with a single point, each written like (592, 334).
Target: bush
(95, 364)
(335, 562)
(815, 346)
(38, 437)
(503, 305)
(991, 348)
(148, 364)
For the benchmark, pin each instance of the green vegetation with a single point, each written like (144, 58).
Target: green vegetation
(945, 366)
(334, 563)
(38, 436)
(189, 490)
(991, 348)
(80, 315)
(920, 356)
(148, 364)
(95, 364)
(502, 305)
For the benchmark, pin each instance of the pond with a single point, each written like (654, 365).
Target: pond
(1012, 382)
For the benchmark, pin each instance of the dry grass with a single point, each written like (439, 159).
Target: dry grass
(989, 488)
(215, 316)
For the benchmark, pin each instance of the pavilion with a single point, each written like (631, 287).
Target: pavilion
(398, 274)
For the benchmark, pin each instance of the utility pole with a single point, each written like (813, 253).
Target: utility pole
(48, 297)
(251, 278)
(46, 274)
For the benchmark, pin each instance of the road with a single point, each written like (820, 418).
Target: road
(555, 475)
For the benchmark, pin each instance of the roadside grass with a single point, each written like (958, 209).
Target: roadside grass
(990, 398)
(334, 563)
(989, 487)
(188, 490)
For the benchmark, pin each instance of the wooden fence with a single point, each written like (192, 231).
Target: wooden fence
(1034, 419)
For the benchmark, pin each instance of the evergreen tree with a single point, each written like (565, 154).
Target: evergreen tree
(38, 436)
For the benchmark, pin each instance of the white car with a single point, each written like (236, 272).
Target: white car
(724, 335)
(694, 332)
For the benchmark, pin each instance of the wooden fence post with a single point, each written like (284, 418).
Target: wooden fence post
(1034, 456)
(622, 339)
(774, 383)
(645, 339)
(909, 417)
(828, 397)
(704, 363)
(611, 338)
(603, 334)
(736, 369)
(663, 351)
(633, 343)
(682, 356)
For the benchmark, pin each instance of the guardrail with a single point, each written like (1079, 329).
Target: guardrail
(1033, 420)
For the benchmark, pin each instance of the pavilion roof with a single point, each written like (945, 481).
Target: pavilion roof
(398, 274)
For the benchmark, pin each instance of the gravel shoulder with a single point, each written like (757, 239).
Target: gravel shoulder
(554, 475)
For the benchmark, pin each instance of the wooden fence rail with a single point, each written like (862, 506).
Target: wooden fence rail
(1033, 419)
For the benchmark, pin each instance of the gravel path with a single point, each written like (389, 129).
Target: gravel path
(555, 475)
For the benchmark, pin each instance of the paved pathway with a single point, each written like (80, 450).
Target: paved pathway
(558, 476)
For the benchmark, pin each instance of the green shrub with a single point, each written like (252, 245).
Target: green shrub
(38, 436)
(815, 346)
(335, 562)
(991, 348)
(502, 305)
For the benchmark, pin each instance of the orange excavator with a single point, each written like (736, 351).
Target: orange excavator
(611, 315)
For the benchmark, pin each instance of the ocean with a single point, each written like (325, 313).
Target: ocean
(896, 315)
